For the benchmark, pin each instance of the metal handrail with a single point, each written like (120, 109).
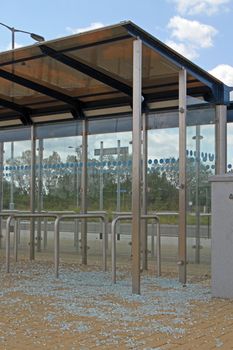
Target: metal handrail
(103, 217)
(158, 245)
(8, 222)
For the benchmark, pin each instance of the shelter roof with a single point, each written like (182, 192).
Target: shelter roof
(80, 75)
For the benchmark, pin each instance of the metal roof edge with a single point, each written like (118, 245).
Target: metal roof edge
(219, 89)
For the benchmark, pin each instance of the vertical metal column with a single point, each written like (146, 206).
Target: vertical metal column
(32, 193)
(198, 138)
(144, 192)
(118, 206)
(84, 193)
(40, 193)
(221, 144)
(101, 206)
(136, 166)
(182, 176)
(12, 205)
(1, 187)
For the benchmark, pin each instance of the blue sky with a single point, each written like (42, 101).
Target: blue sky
(199, 29)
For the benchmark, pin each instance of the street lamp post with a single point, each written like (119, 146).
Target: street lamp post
(35, 37)
(13, 30)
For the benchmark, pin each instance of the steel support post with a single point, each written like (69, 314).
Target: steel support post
(101, 206)
(84, 193)
(221, 144)
(32, 193)
(182, 176)
(197, 203)
(1, 188)
(12, 205)
(40, 193)
(144, 232)
(118, 209)
(136, 165)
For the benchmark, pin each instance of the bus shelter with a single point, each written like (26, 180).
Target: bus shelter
(116, 78)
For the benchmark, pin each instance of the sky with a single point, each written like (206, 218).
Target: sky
(201, 30)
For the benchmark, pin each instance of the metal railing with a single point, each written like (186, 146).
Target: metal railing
(58, 218)
(102, 217)
(8, 222)
(158, 245)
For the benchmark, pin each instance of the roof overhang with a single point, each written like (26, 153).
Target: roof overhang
(82, 73)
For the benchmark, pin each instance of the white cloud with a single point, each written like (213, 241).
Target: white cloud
(9, 46)
(187, 51)
(199, 34)
(224, 72)
(195, 7)
(92, 26)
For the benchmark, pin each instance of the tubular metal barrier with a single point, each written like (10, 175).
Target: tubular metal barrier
(158, 245)
(16, 215)
(103, 218)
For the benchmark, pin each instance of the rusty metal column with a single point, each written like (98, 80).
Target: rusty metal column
(182, 176)
(136, 166)
(1, 187)
(32, 193)
(84, 193)
(221, 144)
(144, 193)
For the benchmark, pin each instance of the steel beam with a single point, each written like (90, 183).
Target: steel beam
(221, 143)
(86, 69)
(24, 113)
(53, 93)
(32, 193)
(84, 193)
(144, 193)
(182, 176)
(136, 166)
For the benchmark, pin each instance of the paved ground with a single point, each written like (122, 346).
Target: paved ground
(84, 310)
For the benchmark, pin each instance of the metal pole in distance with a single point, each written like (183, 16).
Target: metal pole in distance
(221, 145)
(144, 192)
(40, 193)
(1, 187)
(84, 193)
(136, 165)
(32, 194)
(182, 176)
